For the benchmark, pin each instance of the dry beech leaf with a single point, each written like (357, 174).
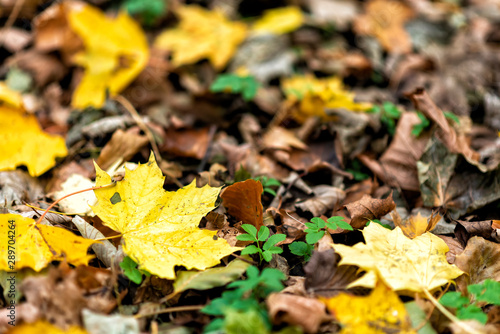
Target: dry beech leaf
(368, 208)
(417, 225)
(480, 260)
(380, 312)
(290, 309)
(23, 142)
(243, 201)
(37, 245)
(325, 198)
(160, 228)
(464, 230)
(122, 146)
(202, 34)
(191, 143)
(385, 20)
(281, 139)
(402, 263)
(455, 248)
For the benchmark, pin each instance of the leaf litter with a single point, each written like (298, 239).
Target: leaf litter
(264, 167)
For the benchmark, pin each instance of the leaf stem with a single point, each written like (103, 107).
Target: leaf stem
(448, 314)
(68, 195)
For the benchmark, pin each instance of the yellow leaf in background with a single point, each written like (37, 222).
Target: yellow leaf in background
(202, 34)
(37, 245)
(314, 95)
(22, 142)
(380, 312)
(160, 228)
(418, 225)
(45, 327)
(116, 51)
(11, 97)
(279, 21)
(404, 264)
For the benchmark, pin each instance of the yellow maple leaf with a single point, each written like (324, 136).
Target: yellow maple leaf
(116, 51)
(45, 327)
(279, 21)
(160, 228)
(202, 34)
(417, 264)
(11, 97)
(380, 312)
(314, 95)
(22, 142)
(33, 245)
(417, 225)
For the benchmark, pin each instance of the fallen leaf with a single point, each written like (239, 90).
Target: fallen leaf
(122, 146)
(78, 203)
(202, 34)
(42, 326)
(480, 260)
(385, 20)
(279, 21)
(368, 208)
(325, 198)
(290, 309)
(464, 230)
(243, 201)
(160, 228)
(281, 139)
(403, 264)
(311, 96)
(455, 248)
(37, 245)
(191, 143)
(11, 97)
(108, 43)
(417, 225)
(324, 277)
(210, 278)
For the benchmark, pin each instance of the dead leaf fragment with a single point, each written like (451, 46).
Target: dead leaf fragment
(325, 198)
(243, 201)
(368, 208)
(191, 143)
(417, 225)
(122, 146)
(290, 309)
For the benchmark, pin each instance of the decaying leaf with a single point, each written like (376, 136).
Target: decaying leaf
(368, 208)
(312, 96)
(325, 198)
(22, 142)
(416, 225)
(119, 40)
(403, 264)
(385, 19)
(37, 245)
(380, 312)
(243, 201)
(279, 21)
(202, 34)
(159, 228)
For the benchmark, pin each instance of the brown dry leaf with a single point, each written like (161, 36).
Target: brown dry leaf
(480, 260)
(191, 143)
(385, 20)
(455, 142)
(290, 309)
(325, 198)
(282, 139)
(122, 146)
(417, 225)
(398, 165)
(465, 230)
(324, 277)
(15, 39)
(455, 248)
(368, 208)
(243, 201)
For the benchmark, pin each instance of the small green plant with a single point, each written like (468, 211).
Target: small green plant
(316, 230)
(267, 183)
(389, 113)
(488, 291)
(244, 302)
(355, 169)
(424, 122)
(149, 11)
(130, 270)
(246, 85)
(268, 249)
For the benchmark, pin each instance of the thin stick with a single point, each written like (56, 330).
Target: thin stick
(171, 310)
(76, 192)
(137, 118)
(448, 314)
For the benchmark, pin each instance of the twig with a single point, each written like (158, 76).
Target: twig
(171, 310)
(137, 118)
